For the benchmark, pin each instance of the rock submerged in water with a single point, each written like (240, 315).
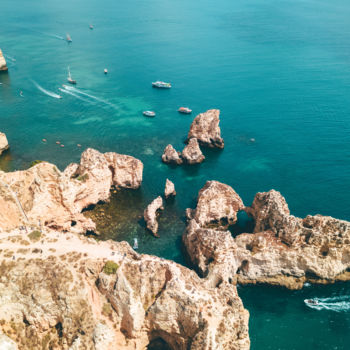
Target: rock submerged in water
(169, 190)
(283, 250)
(205, 128)
(171, 156)
(192, 154)
(57, 198)
(4, 145)
(3, 66)
(150, 215)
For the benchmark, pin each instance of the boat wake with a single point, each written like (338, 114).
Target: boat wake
(77, 91)
(337, 304)
(10, 58)
(46, 92)
(75, 95)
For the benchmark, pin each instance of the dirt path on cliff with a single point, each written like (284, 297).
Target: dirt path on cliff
(17, 244)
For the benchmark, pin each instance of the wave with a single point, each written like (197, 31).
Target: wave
(71, 88)
(10, 58)
(75, 95)
(46, 92)
(337, 304)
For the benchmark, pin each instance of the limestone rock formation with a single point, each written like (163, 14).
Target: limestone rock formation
(205, 128)
(3, 66)
(80, 296)
(43, 194)
(4, 145)
(169, 189)
(217, 203)
(283, 250)
(192, 154)
(7, 343)
(171, 156)
(150, 215)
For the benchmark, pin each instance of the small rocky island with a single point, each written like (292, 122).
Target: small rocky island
(3, 66)
(4, 145)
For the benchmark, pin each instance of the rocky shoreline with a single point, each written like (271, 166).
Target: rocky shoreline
(68, 291)
(282, 250)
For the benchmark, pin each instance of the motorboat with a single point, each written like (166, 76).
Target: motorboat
(105, 71)
(68, 38)
(91, 26)
(184, 110)
(69, 79)
(161, 85)
(149, 113)
(311, 302)
(136, 244)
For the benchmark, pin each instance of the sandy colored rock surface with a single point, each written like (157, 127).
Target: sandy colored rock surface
(150, 215)
(205, 128)
(171, 156)
(192, 153)
(169, 190)
(4, 145)
(60, 295)
(3, 66)
(283, 250)
(43, 195)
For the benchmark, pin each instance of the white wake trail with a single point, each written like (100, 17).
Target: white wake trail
(75, 95)
(71, 88)
(46, 92)
(337, 304)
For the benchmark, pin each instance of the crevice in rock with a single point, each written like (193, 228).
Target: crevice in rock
(244, 224)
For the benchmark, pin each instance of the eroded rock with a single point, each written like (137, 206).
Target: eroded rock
(171, 156)
(4, 145)
(3, 66)
(169, 190)
(283, 250)
(150, 215)
(205, 128)
(70, 300)
(44, 193)
(192, 154)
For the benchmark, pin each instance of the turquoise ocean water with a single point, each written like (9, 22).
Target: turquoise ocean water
(279, 71)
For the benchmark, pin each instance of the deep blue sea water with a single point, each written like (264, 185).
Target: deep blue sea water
(279, 71)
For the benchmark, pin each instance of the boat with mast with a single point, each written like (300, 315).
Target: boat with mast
(69, 79)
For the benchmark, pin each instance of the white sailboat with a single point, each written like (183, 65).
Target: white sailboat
(69, 79)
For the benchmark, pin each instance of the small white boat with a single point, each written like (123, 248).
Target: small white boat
(91, 26)
(136, 244)
(68, 38)
(105, 71)
(69, 79)
(184, 110)
(149, 113)
(161, 85)
(311, 302)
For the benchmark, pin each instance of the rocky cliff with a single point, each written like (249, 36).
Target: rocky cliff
(65, 291)
(282, 250)
(43, 195)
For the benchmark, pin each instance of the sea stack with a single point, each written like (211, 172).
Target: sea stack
(4, 145)
(192, 153)
(169, 190)
(3, 66)
(150, 215)
(205, 128)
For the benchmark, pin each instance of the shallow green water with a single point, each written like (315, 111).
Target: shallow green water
(279, 71)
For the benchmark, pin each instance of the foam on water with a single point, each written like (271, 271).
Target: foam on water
(75, 95)
(46, 92)
(337, 304)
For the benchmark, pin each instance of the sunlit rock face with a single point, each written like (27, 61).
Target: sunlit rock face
(282, 250)
(3, 66)
(43, 195)
(4, 145)
(205, 128)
